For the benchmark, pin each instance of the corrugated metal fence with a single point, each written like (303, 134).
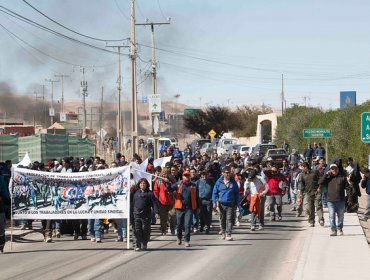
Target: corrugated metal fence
(44, 147)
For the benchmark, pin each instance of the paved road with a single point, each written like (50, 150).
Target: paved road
(269, 254)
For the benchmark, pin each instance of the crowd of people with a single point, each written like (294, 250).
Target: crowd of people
(186, 192)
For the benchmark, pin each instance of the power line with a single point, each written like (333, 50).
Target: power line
(119, 8)
(159, 6)
(69, 29)
(35, 24)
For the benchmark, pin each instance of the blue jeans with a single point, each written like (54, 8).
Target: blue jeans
(262, 214)
(184, 219)
(324, 199)
(336, 208)
(195, 221)
(95, 228)
(122, 227)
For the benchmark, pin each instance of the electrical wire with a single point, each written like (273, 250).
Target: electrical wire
(24, 49)
(160, 9)
(35, 24)
(119, 8)
(41, 39)
(69, 29)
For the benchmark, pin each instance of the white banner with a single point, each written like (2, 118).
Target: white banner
(101, 194)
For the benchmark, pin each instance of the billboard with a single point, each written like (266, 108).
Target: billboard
(347, 99)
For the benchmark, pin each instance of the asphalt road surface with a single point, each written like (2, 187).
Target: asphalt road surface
(269, 254)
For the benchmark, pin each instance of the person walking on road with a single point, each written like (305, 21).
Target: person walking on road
(226, 193)
(144, 200)
(365, 184)
(310, 188)
(205, 188)
(258, 190)
(337, 183)
(186, 202)
(277, 186)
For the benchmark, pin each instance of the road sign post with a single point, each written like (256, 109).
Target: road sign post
(365, 127)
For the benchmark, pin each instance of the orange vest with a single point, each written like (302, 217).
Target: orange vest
(193, 196)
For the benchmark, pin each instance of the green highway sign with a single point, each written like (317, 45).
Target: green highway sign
(317, 133)
(365, 127)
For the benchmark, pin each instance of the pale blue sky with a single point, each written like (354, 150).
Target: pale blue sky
(213, 52)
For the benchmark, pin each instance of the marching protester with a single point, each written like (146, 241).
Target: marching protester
(205, 187)
(337, 183)
(2, 222)
(312, 195)
(186, 203)
(277, 187)
(226, 196)
(166, 201)
(365, 184)
(257, 188)
(143, 202)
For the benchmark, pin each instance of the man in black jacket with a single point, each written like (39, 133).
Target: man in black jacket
(337, 183)
(365, 184)
(143, 201)
(310, 188)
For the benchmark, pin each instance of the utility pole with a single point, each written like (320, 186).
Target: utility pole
(305, 100)
(154, 115)
(84, 94)
(119, 110)
(134, 124)
(43, 103)
(282, 94)
(51, 109)
(62, 78)
(101, 119)
(35, 109)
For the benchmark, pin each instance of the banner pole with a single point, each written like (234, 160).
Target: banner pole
(129, 207)
(11, 211)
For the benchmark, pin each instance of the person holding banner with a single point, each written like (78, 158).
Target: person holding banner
(143, 201)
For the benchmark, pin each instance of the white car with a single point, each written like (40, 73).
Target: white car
(243, 150)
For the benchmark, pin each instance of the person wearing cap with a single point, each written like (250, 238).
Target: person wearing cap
(310, 188)
(186, 203)
(337, 183)
(365, 184)
(277, 187)
(205, 187)
(226, 193)
(257, 189)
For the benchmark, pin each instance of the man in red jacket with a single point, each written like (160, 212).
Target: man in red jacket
(277, 183)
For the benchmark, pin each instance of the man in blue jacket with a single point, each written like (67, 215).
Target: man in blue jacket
(226, 193)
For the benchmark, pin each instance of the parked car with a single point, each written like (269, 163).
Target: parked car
(198, 143)
(206, 149)
(243, 150)
(276, 155)
(224, 144)
(233, 149)
(260, 150)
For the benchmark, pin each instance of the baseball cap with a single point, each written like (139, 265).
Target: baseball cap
(186, 172)
(333, 165)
